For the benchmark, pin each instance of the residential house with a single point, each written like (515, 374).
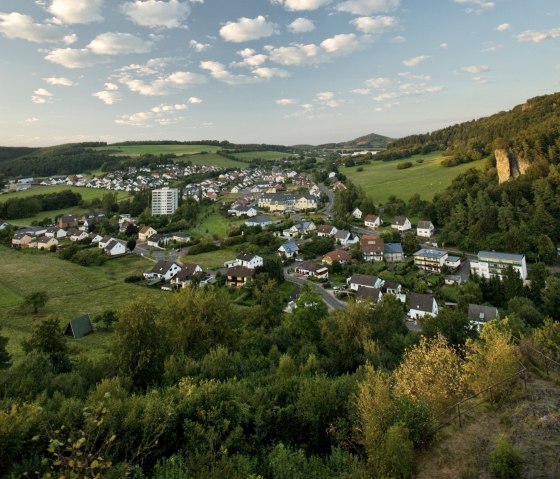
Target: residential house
(357, 213)
(288, 250)
(364, 281)
(305, 203)
(453, 263)
(479, 315)
(186, 274)
(261, 221)
(326, 230)
(372, 248)
(492, 264)
(155, 241)
(104, 241)
(425, 229)
(373, 222)
(312, 269)
(24, 240)
(249, 260)
(421, 305)
(68, 221)
(115, 248)
(299, 229)
(431, 260)
(345, 238)
(95, 238)
(145, 232)
(238, 276)
(248, 211)
(76, 235)
(392, 287)
(164, 270)
(393, 252)
(45, 243)
(55, 232)
(338, 255)
(401, 223)
(368, 294)
(4, 224)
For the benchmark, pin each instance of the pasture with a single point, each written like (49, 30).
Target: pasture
(212, 259)
(381, 179)
(264, 155)
(72, 290)
(179, 150)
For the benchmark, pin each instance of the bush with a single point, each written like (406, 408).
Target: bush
(405, 165)
(135, 278)
(504, 460)
(202, 248)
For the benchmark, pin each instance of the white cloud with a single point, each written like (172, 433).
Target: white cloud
(219, 72)
(481, 80)
(163, 85)
(161, 115)
(15, 25)
(285, 101)
(301, 25)
(109, 97)
(398, 39)
(73, 57)
(494, 48)
(538, 36)
(30, 121)
(296, 54)
(246, 29)
(157, 13)
(199, 47)
(76, 11)
(368, 7)
(379, 82)
(502, 27)
(341, 44)
(111, 86)
(361, 91)
(42, 92)
(118, 44)
(327, 98)
(59, 81)
(194, 100)
(268, 73)
(412, 62)
(250, 58)
(407, 92)
(478, 6)
(299, 5)
(374, 25)
(444, 45)
(475, 69)
(412, 76)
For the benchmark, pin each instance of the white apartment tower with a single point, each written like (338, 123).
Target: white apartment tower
(165, 201)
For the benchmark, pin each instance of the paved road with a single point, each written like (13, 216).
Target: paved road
(331, 302)
(157, 254)
(330, 205)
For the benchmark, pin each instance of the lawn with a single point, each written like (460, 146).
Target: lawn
(382, 179)
(212, 259)
(264, 155)
(137, 150)
(72, 290)
(213, 159)
(216, 224)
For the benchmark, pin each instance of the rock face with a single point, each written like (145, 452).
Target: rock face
(509, 166)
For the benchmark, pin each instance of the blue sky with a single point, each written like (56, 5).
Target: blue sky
(266, 71)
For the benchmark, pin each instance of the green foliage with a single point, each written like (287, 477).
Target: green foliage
(14, 208)
(35, 301)
(453, 324)
(405, 165)
(5, 356)
(47, 338)
(398, 452)
(89, 257)
(504, 460)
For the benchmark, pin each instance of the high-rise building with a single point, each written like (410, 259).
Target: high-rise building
(165, 201)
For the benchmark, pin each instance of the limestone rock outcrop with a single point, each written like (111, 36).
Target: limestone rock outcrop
(508, 165)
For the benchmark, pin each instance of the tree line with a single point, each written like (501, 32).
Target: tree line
(15, 208)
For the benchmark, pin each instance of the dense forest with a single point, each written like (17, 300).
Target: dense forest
(31, 205)
(530, 130)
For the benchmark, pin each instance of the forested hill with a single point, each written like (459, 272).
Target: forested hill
(373, 140)
(12, 152)
(530, 131)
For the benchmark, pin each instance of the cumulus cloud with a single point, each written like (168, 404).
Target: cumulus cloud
(246, 29)
(157, 13)
(296, 54)
(299, 5)
(59, 81)
(198, 46)
(493, 48)
(250, 58)
(118, 44)
(268, 73)
(73, 57)
(219, 72)
(15, 25)
(341, 44)
(301, 25)
(285, 101)
(412, 62)
(163, 85)
(477, 6)
(481, 80)
(76, 11)
(538, 36)
(502, 27)
(368, 7)
(42, 96)
(379, 82)
(412, 76)
(409, 91)
(160, 115)
(42, 92)
(109, 97)
(374, 25)
(475, 69)
(327, 98)
(193, 100)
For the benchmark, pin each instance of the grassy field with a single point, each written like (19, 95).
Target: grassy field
(137, 150)
(216, 224)
(383, 179)
(72, 289)
(212, 159)
(212, 259)
(264, 155)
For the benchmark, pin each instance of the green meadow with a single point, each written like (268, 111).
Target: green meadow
(381, 179)
(264, 155)
(137, 150)
(73, 290)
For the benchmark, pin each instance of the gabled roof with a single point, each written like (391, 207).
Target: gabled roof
(342, 234)
(338, 255)
(241, 272)
(325, 229)
(421, 302)
(311, 266)
(425, 225)
(392, 248)
(290, 247)
(371, 218)
(371, 244)
(399, 220)
(187, 271)
(246, 256)
(79, 327)
(145, 229)
(162, 267)
(482, 314)
(368, 293)
(364, 280)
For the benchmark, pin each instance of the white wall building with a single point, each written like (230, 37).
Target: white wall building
(493, 264)
(165, 201)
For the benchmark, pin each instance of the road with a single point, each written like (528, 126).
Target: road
(329, 299)
(330, 205)
(157, 254)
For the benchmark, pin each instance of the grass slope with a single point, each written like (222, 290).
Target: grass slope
(382, 179)
(72, 289)
(212, 259)
(137, 150)
(264, 155)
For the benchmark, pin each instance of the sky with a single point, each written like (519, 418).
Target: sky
(266, 71)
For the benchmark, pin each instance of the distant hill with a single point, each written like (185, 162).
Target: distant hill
(14, 152)
(371, 141)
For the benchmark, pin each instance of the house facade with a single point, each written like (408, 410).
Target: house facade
(312, 269)
(492, 264)
(115, 248)
(145, 232)
(239, 276)
(421, 305)
(425, 229)
(401, 223)
(357, 281)
(45, 243)
(288, 250)
(431, 260)
(373, 222)
(372, 248)
(393, 252)
(338, 255)
(164, 270)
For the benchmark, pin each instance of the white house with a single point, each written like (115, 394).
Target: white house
(357, 281)
(401, 223)
(479, 315)
(165, 270)
(115, 248)
(247, 260)
(299, 229)
(373, 221)
(55, 232)
(145, 232)
(425, 229)
(326, 230)
(312, 269)
(78, 235)
(345, 238)
(421, 305)
(288, 250)
(187, 272)
(357, 213)
(493, 264)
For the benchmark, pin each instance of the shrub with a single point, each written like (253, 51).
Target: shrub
(134, 278)
(202, 248)
(504, 460)
(405, 165)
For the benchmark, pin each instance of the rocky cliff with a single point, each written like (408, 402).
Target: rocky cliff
(508, 165)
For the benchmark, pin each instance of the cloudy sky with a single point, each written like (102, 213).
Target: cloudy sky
(267, 71)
